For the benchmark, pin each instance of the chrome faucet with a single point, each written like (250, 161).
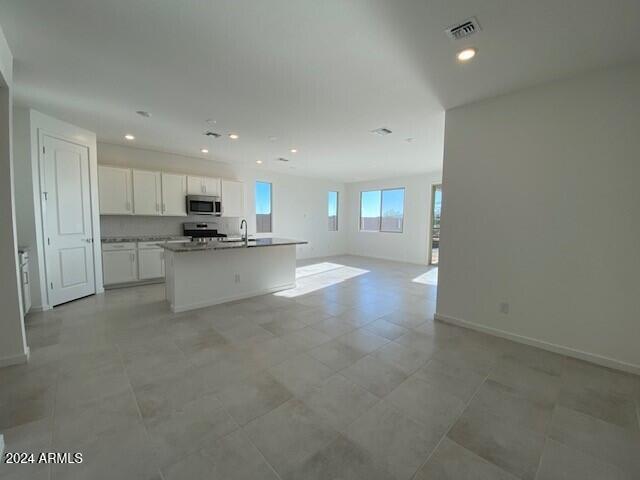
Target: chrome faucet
(245, 236)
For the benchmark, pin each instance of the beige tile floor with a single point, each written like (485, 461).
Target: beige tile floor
(353, 380)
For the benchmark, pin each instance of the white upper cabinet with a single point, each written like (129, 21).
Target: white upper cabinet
(211, 186)
(114, 188)
(194, 185)
(125, 191)
(232, 198)
(147, 196)
(203, 186)
(174, 192)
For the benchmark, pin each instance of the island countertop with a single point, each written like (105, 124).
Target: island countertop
(216, 245)
(144, 238)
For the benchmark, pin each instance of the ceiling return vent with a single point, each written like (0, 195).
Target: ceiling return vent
(282, 159)
(464, 29)
(381, 131)
(209, 133)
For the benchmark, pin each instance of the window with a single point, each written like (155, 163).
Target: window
(382, 210)
(436, 211)
(370, 211)
(263, 207)
(392, 210)
(333, 211)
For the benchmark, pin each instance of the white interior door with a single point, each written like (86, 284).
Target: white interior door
(67, 221)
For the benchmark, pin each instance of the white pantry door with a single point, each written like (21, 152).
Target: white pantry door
(67, 221)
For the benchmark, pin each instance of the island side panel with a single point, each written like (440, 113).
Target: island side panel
(209, 277)
(168, 277)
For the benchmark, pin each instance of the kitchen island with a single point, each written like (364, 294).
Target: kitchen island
(208, 273)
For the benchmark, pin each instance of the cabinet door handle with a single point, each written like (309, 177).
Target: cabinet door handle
(26, 278)
(128, 206)
(164, 207)
(133, 257)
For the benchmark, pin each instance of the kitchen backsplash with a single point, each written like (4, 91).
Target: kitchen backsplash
(123, 225)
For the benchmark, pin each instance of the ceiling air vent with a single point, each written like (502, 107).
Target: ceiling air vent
(381, 131)
(282, 159)
(464, 29)
(209, 133)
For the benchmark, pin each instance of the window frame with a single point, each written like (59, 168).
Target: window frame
(270, 205)
(380, 230)
(329, 192)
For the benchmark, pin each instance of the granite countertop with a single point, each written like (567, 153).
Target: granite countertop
(215, 245)
(144, 238)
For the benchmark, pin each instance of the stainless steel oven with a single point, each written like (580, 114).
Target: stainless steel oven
(204, 205)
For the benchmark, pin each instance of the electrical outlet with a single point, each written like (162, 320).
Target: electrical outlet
(237, 278)
(504, 308)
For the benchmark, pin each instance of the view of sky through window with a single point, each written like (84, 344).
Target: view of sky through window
(382, 210)
(333, 211)
(263, 208)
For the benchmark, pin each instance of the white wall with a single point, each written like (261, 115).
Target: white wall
(29, 126)
(299, 203)
(412, 245)
(541, 209)
(13, 348)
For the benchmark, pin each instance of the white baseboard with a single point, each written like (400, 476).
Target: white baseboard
(391, 259)
(551, 347)
(15, 360)
(137, 283)
(39, 308)
(210, 303)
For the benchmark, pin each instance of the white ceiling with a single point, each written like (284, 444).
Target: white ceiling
(318, 75)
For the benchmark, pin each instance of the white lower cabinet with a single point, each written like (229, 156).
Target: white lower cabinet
(150, 261)
(132, 262)
(119, 263)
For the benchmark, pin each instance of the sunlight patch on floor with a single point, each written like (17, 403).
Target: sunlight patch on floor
(320, 275)
(428, 278)
(316, 268)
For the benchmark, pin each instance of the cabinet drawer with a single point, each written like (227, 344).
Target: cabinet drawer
(110, 247)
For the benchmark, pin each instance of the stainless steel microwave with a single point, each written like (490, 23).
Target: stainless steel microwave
(204, 205)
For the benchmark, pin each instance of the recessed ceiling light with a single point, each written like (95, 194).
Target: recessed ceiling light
(409, 140)
(128, 136)
(259, 162)
(144, 113)
(466, 54)
(272, 138)
(234, 136)
(294, 150)
(204, 150)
